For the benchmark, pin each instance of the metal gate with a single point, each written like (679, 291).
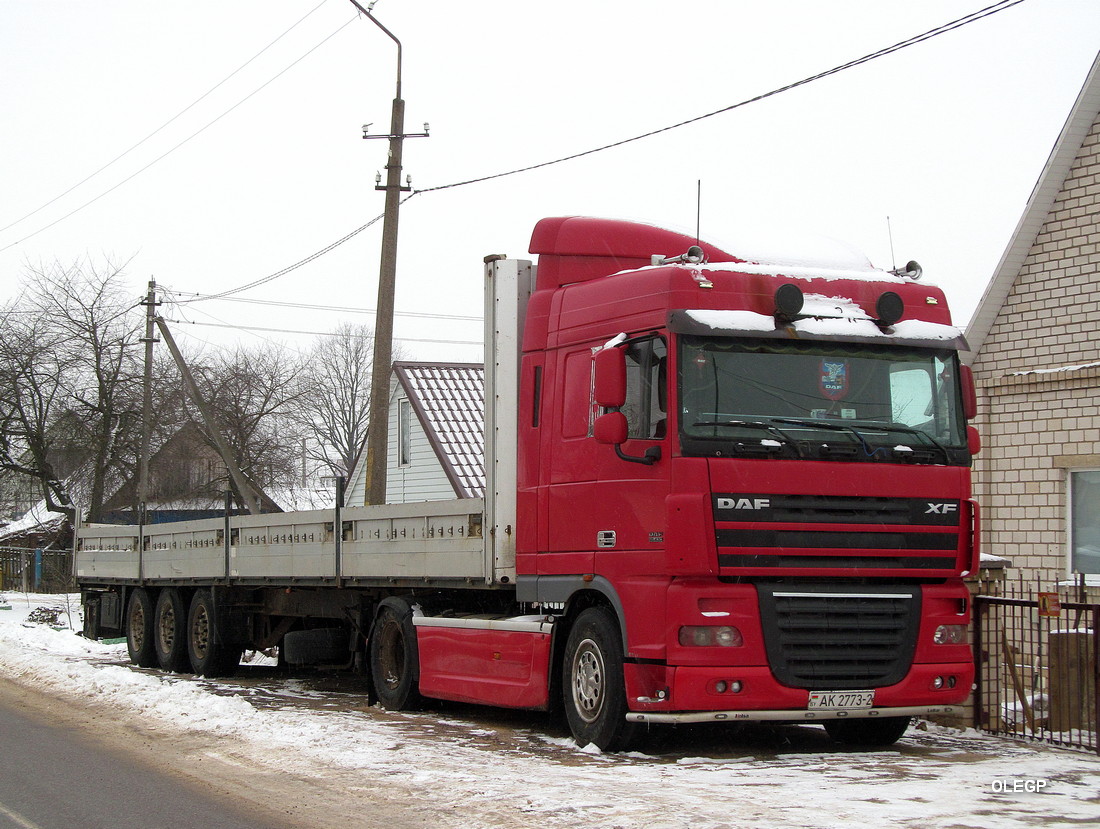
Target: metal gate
(1037, 669)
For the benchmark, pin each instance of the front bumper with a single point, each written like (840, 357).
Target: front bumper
(791, 716)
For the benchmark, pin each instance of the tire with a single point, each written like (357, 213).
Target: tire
(394, 658)
(207, 653)
(171, 632)
(593, 686)
(140, 633)
(319, 646)
(870, 733)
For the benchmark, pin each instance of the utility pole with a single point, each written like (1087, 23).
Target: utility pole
(147, 400)
(378, 425)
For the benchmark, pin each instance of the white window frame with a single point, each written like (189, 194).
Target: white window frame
(404, 431)
(1070, 526)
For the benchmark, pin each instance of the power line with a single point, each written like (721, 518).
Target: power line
(315, 333)
(181, 143)
(912, 41)
(343, 309)
(187, 108)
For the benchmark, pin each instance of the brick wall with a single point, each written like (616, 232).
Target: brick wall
(1038, 376)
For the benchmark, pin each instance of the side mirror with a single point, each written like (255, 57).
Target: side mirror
(973, 440)
(610, 428)
(610, 380)
(969, 392)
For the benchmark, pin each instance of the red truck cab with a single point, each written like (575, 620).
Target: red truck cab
(746, 485)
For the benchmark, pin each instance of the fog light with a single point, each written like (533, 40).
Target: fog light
(937, 683)
(950, 635)
(735, 686)
(720, 686)
(951, 682)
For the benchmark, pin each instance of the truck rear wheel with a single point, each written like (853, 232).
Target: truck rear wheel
(171, 631)
(877, 733)
(206, 652)
(140, 633)
(593, 686)
(394, 657)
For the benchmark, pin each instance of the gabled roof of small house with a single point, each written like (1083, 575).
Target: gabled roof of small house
(1039, 205)
(449, 401)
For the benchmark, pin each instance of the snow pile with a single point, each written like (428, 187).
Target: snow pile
(521, 776)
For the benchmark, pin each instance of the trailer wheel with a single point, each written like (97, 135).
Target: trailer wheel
(593, 686)
(171, 631)
(208, 654)
(139, 629)
(872, 733)
(394, 659)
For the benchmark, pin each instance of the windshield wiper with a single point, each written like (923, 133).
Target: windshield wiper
(851, 429)
(755, 424)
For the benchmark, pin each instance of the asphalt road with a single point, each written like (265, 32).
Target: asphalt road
(53, 777)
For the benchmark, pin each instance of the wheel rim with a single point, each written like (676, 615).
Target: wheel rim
(137, 626)
(166, 630)
(589, 681)
(200, 632)
(391, 653)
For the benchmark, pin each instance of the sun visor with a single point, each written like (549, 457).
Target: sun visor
(749, 324)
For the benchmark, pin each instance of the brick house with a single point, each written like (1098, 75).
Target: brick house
(1035, 352)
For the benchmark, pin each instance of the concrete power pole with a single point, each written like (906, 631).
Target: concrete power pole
(147, 400)
(378, 425)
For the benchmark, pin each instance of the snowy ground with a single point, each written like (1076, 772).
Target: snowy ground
(514, 769)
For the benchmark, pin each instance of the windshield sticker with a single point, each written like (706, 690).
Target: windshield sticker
(834, 378)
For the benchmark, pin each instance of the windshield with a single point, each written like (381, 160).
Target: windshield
(822, 400)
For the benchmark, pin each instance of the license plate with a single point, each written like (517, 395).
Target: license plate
(841, 699)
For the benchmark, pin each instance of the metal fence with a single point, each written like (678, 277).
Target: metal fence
(36, 571)
(1037, 660)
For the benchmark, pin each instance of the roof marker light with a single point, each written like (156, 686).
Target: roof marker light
(889, 308)
(788, 301)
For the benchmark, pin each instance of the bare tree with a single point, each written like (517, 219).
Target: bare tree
(89, 307)
(335, 401)
(35, 369)
(252, 393)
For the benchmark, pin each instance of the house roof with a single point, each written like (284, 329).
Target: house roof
(1077, 126)
(449, 401)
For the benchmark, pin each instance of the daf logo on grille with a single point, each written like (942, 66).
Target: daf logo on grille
(941, 509)
(744, 503)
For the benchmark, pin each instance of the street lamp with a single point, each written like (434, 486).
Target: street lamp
(377, 426)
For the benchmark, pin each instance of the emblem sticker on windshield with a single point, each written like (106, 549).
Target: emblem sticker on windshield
(834, 378)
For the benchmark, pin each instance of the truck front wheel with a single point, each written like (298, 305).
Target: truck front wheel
(394, 656)
(139, 629)
(593, 686)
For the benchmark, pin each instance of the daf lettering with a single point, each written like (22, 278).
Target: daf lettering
(744, 503)
(941, 509)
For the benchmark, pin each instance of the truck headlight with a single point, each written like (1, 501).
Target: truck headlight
(709, 636)
(950, 635)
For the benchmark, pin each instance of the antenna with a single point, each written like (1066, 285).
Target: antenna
(890, 233)
(698, 206)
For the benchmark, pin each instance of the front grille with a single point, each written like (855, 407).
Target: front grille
(889, 533)
(826, 638)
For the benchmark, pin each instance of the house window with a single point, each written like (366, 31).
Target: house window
(1084, 516)
(404, 433)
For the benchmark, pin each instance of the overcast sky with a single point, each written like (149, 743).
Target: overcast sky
(946, 138)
